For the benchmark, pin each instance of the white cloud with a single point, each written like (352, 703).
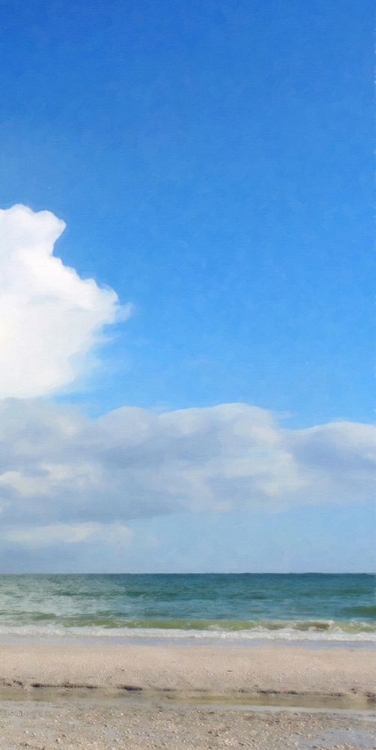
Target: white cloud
(50, 318)
(62, 470)
(66, 479)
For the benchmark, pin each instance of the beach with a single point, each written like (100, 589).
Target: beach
(197, 662)
(118, 695)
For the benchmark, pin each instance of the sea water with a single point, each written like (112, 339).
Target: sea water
(233, 607)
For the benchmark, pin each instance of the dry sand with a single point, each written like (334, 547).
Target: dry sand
(103, 696)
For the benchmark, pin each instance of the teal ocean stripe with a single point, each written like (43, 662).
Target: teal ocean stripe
(308, 606)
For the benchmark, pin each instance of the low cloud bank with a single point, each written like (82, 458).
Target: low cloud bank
(60, 470)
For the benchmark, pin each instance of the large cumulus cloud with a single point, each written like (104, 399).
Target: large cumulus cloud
(50, 318)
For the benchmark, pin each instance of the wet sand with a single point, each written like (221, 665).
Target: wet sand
(103, 696)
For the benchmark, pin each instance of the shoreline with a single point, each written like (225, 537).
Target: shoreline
(152, 641)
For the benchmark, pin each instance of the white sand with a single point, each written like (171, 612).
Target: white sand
(218, 669)
(142, 697)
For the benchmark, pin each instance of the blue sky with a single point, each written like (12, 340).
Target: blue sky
(212, 163)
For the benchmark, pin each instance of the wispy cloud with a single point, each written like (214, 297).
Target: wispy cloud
(65, 533)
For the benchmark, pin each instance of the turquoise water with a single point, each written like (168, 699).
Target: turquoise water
(231, 607)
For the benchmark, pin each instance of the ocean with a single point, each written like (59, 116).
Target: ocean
(220, 607)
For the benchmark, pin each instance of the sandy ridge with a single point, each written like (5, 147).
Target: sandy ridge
(269, 672)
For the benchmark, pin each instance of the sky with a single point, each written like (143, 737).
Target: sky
(187, 278)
